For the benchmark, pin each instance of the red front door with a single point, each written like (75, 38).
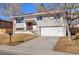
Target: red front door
(29, 25)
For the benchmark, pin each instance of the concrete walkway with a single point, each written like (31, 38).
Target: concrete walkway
(38, 46)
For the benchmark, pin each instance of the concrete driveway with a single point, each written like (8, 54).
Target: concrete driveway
(38, 46)
(41, 43)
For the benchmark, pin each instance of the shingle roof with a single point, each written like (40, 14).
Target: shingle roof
(5, 20)
(53, 12)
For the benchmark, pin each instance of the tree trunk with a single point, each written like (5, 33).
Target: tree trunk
(68, 30)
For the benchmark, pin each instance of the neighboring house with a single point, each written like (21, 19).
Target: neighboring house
(49, 23)
(6, 26)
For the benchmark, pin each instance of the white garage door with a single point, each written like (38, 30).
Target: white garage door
(53, 31)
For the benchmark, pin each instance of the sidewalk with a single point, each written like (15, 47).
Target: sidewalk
(38, 46)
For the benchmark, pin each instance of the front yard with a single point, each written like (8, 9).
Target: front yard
(15, 39)
(69, 46)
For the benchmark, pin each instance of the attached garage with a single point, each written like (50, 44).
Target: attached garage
(52, 31)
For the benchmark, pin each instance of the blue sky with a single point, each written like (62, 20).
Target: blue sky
(28, 8)
(25, 8)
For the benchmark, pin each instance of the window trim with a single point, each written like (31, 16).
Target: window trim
(57, 16)
(19, 20)
(39, 17)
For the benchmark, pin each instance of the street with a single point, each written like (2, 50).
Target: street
(5, 53)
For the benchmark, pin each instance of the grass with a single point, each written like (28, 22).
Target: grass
(15, 39)
(65, 45)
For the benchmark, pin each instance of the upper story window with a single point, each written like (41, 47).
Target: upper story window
(19, 20)
(39, 17)
(57, 16)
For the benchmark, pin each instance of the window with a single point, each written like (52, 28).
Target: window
(19, 20)
(57, 16)
(39, 17)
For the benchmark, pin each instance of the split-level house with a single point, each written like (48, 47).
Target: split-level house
(50, 23)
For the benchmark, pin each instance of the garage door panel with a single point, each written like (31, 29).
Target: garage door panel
(55, 31)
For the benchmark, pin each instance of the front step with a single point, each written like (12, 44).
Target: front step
(33, 33)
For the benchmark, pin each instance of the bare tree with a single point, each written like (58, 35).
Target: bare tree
(9, 9)
(49, 6)
(70, 9)
(40, 7)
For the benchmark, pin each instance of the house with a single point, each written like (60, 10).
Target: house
(6, 26)
(49, 23)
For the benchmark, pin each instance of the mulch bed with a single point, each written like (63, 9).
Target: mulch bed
(66, 45)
